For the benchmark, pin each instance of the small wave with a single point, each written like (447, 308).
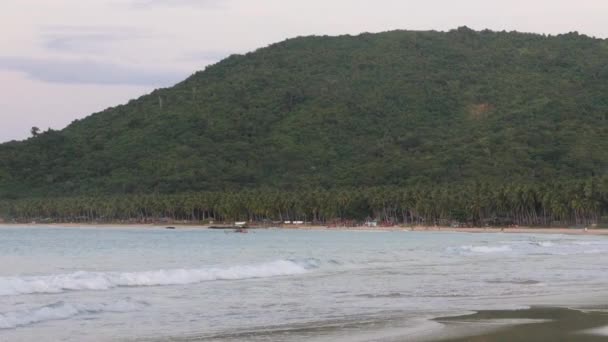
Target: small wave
(543, 243)
(514, 281)
(307, 263)
(108, 280)
(61, 310)
(382, 295)
(486, 249)
(586, 243)
(594, 251)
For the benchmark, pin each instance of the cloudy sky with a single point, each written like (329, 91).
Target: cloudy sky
(65, 59)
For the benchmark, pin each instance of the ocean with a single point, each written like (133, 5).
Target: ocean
(153, 284)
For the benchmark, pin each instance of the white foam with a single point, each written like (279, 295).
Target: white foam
(593, 251)
(486, 249)
(583, 243)
(602, 331)
(60, 311)
(108, 280)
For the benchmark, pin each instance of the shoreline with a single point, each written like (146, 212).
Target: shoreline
(537, 323)
(433, 229)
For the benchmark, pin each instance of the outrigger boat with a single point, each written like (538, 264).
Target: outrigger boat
(241, 227)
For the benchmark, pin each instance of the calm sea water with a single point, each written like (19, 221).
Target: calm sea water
(274, 285)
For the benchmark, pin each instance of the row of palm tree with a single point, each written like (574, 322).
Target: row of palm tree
(580, 202)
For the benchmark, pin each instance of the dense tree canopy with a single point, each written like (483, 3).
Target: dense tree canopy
(575, 202)
(399, 109)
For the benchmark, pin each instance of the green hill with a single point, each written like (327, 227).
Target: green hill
(399, 108)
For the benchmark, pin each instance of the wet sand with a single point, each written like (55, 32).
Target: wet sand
(537, 324)
(534, 324)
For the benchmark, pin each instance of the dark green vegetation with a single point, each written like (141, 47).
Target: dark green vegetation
(479, 204)
(427, 113)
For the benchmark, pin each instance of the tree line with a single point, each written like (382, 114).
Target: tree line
(578, 202)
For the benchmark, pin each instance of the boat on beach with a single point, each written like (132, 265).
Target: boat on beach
(237, 227)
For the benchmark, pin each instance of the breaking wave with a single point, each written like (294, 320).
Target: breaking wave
(61, 310)
(108, 280)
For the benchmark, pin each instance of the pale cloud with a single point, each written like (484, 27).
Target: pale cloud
(85, 71)
(87, 39)
(207, 56)
(27, 103)
(103, 46)
(175, 3)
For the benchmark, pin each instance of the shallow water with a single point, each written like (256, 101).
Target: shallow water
(140, 284)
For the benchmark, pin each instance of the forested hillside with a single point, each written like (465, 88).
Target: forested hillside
(396, 110)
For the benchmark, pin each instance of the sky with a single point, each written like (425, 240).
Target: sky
(65, 59)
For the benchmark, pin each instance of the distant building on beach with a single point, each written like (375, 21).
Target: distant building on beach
(371, 223)
(293, 222)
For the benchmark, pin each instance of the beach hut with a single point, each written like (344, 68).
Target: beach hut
(371, 223)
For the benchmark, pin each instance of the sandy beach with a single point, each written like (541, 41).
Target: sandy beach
(519, 230)
(431, 229)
